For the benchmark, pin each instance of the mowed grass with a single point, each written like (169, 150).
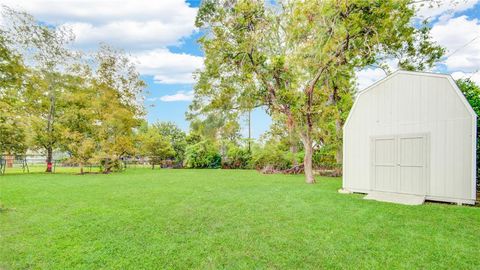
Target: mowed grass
(222, 219)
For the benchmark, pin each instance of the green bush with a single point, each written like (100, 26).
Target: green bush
(325, 156)
(203, 154)
(237, 158)
(108, 165)
(273, 156)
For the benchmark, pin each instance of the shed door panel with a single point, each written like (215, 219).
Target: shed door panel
(412, 165)
(385, 164)
(399, 164)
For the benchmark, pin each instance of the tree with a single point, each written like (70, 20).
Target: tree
(156, 147)
(214, 125)
(81, 148)
(329, 133)
(12, 120)
(472, 93)
(46, 51)
(79, 134)
(217, 126)
(203, 154)
(293, 54)
(87, 106)
(118, 106)
(175, 135)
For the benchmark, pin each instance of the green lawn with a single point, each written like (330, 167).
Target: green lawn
(210, 219)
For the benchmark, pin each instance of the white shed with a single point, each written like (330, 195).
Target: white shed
(411, 135)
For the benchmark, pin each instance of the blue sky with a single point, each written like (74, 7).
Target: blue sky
(161, 37)
(174, 111)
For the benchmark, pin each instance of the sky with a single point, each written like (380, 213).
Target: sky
(161, 38)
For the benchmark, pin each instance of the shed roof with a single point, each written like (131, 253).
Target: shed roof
(416, 73)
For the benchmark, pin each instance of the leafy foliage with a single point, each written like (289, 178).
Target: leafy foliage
(175, 136)
(13, 139)
(298, 58)
(203, 154)
(274, 155)
(237, 158)
(156, 147)
(87, 106)
(472, 93)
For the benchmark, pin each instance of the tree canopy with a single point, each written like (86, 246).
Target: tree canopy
(297, 58)
(87, 105)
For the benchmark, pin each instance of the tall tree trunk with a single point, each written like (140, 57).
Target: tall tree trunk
(307, 160)
(49, 159)
(50, 120)
(81, 167)
(292, 141)
(250, 131)
(333, 100)
(339, 155)
(294, 150)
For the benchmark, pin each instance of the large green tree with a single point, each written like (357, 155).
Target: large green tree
(45, 50)
(12, 117)
(79, 134)
(118, 88)
(292, 56)
(86, 105)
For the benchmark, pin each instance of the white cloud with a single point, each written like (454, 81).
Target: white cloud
(132, 23)
(443, 9)
(168, 67)
(456, 36)
(129, 34)
(143, 28)
(369, 76)
(179, 96)
(451, 33)
(474, 76)
(106, 10)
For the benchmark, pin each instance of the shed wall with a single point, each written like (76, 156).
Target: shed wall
(413, 103)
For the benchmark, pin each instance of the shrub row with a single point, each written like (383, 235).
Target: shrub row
(205, 154)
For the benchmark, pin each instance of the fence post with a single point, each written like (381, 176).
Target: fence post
(3, 164)
(26, 164)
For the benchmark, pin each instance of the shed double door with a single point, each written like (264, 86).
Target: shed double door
(399, 164)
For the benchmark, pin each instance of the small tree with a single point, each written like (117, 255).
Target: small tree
(81, 148)
(203, 154)
(156, 147)
(175, 135)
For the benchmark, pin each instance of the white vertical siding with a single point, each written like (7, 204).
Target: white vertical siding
(415, 103)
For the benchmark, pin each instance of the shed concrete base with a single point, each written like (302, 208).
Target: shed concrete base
(344, 191)
(395, 198)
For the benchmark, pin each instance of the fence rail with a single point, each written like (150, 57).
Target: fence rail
(37, 164)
